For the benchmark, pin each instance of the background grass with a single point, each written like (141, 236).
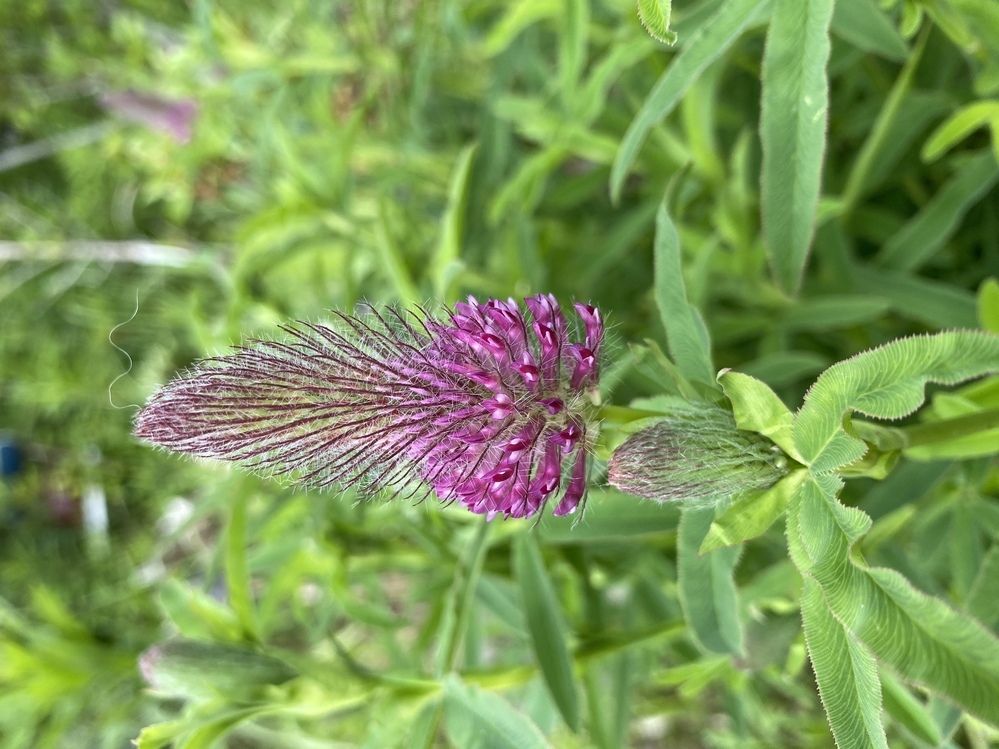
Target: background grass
(401, 152)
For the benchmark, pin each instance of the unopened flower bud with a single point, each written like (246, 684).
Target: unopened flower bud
(696, 456)
(194, 669)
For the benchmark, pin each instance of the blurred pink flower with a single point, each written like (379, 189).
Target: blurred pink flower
(174, 117)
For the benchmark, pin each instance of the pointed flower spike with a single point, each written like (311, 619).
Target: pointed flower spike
(485, 406)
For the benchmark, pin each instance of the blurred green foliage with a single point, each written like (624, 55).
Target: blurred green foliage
(428, 150)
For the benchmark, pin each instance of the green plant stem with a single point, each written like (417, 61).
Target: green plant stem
(461, 598)
(882, 128)
(902, 438)
(950, 429)
(589, 650)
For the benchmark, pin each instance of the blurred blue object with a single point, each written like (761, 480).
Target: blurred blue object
(10, 456)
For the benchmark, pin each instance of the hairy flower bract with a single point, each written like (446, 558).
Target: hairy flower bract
(486, 406)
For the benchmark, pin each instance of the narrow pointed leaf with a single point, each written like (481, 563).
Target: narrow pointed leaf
(196, 614)
(391, 259)
(930, 229)
(572, 53)
(866, 27)
(983, 598)
(846, 673)
(237, 570)
(686, 333)
(885, 383)
(933, 303)
(207, 717)
(544, 622)
(903, 707)
(959, 126)
(446, 263)
(477, 719)
(461, 597)
(711, 41)
(707, 588)
(833, 311)
(611, 515)
(793, 132)
(988, 305)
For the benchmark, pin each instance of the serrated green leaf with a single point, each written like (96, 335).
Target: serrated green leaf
(930, 229)
(846, 673)
(794, 114)
(885, 383)
(750, 516)
(686, 332)
(545, 625)
(866, 27)
(706, 585)
(654, 15)
(988, 305)
(476, 719)
(712, 39)
(758, 409)
(924, 640)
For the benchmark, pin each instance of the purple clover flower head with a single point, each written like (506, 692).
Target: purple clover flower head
(487, 407)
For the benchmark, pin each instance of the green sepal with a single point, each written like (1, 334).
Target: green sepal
(758, 409)
(752, 515)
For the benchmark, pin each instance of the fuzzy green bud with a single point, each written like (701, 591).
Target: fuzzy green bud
(696, 456)
(193, 669)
